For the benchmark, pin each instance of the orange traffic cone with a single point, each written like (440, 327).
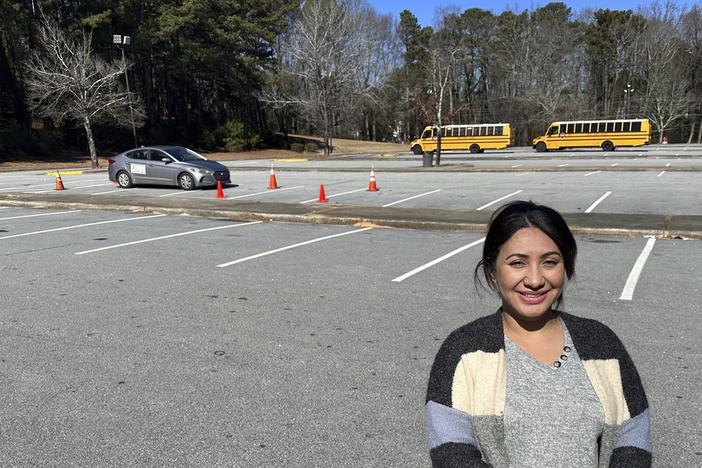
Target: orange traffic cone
(59, 182)
(371, 184)
(322, 196)
(220, 192)
(272, 183)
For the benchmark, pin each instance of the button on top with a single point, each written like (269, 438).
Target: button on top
(564, 357)
(566, 349)
(557, 364)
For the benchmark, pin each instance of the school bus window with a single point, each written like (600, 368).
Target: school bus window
(602, 127)
(553, 130)
(586, 127)
(618, 127)
(635, 126)
(498, 130)
(462, 132)
(610, 126)
(627, 126)
(490, 131)
(571, 127)
(578, 128)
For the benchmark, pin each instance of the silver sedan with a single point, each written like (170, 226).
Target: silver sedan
(166, 165)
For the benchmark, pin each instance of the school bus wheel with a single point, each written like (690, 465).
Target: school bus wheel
(416, 149)
(540, 147)
(607, 146)
(474, 148)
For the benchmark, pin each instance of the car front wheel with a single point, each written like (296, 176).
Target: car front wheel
(124, 179)
(186, 181)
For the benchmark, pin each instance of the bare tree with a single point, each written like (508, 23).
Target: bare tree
(667, 97)
(322, 53)
(66, 80)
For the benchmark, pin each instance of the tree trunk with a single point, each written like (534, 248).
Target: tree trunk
(692, 132)
(699, 135)
(91, 143)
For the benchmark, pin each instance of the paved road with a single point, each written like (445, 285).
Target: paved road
(177, 340)
(148, 353)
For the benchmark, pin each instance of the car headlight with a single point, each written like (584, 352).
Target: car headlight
(199, 170)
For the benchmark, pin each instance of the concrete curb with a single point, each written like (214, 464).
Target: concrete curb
(607, 224)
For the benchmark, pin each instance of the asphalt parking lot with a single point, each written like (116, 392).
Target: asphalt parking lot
(164, 340)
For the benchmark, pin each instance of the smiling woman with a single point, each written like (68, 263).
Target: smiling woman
(503, 384)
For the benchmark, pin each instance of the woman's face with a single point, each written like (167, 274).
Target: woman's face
(530, 274)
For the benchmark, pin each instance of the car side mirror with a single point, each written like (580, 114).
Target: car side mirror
(166, 160)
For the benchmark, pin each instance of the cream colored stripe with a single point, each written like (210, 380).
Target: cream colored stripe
(487, 398)
(607, 383)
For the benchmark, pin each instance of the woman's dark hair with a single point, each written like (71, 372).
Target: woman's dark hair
(510, 218)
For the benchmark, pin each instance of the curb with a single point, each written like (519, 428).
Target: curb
(606, 224)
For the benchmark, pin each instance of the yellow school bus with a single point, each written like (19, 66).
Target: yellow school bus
(474, 138)
(606, 134)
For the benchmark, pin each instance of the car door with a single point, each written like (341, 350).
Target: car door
(136, 165)
(159, 171)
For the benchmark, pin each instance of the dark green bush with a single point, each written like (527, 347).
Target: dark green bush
(236, 136)
(310, 147)
(297, 147)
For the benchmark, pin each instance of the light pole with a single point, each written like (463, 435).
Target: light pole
(627, 99)
(122, 41)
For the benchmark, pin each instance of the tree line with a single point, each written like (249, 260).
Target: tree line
(246, 74)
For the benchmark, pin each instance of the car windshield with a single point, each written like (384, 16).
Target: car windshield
(184, 154)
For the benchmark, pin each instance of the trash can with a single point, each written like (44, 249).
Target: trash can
(427, 159)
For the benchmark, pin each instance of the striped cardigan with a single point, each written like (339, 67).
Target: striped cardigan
(464, 411)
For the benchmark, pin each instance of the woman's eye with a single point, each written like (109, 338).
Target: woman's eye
(551, 262)
(516, 264)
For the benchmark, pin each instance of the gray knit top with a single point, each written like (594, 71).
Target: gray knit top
(552, 415)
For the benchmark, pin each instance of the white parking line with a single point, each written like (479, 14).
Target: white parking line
(438, 260)
(517, 165)
(615, 164)
(72, 188)
(661, 173)
(109, 191)
(499, 200)
(628, 291)
(563, 165)
(335, 195)
(82, 225)
(172, 193)
(522, 174)
(41, 214)
(591, 173)
(667, 165)
(24, 187)
(263, 193)
(597, 202)
(300, 244)
(410, 198)
(166, 237)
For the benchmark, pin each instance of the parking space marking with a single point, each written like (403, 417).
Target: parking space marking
(563, 165)
(172, 193)
(41, 214)
(334, 195)
(24, 187)
(614, 165)
(410, 198)
(591, 173)
(661, 173)
(517, 165)
(65, 228)
(667, 165)
(299, 244)
(109, 191)
(72, 188)
(628, 291)
(499, 200)
(597, 202)
(438, 260)
(186, 233)
(263, 193)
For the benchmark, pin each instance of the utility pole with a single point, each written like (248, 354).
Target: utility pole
(122, 41)
(627, 99)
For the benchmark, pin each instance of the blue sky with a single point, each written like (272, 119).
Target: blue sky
(425, 10)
